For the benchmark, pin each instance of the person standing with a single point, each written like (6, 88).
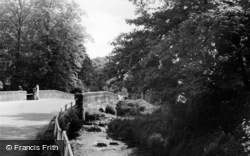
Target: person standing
(37, 92)
(20, 88)
(1, 85)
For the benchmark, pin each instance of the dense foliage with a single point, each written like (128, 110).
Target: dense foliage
(42, 42)
(98, 82)
(184, 47)
(193, 57)
(162, 133)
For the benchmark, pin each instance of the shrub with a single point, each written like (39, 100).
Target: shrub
(64, 120)
(164, 133)
(76, 90)
(101, 110)
(143, 131)
(74, 126)
(91, 115)
(134, 107)
(70, 122)
(110, 109)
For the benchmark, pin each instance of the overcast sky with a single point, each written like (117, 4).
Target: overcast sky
(104, 21)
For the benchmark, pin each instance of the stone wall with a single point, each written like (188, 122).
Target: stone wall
(97, 100)
(13, 95)
(55, 94)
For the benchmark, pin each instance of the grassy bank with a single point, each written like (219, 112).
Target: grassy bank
(166, 133)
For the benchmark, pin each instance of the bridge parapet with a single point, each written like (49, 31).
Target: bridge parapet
(55, 94)
(13, 95)
(97, 100)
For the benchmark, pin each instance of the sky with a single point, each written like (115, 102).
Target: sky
(105, 20)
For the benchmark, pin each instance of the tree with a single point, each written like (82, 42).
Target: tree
(14, 21)
(46, 40)
(100, 76)
(180, 45)
(93, 73)
(59, 42)
(196, 50)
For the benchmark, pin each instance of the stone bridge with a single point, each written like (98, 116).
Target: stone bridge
(97, 100)
(91, 100)
(22, 119)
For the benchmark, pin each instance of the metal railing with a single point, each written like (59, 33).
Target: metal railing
(61, 137)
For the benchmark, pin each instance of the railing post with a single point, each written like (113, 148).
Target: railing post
(61, 136)
(66, 150)
(55, 128)
(62, 144)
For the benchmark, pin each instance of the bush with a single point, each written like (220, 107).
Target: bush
(143, 131)
(76, 90)
(101, 110)
(134, 107)
(74, 127)
(64, 121)
(163, 133)
(71, 123)
(91, 115)
(110, 109)
(155, 140)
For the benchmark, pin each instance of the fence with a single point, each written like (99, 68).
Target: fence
(92, 98)
(62, 140)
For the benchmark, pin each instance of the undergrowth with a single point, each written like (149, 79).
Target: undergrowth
(170, 131)
(71, 122)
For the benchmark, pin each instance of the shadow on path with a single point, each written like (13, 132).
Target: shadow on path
(20, 133)
(32, 116)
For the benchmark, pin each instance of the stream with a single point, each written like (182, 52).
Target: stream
(87, 143)
(98, 143)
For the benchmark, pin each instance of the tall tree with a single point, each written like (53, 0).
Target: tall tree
(14, 21)
(194, 56)
(178, 47)
(46, 40)
(59, 42)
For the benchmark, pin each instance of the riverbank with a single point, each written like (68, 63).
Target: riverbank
(93, 140)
